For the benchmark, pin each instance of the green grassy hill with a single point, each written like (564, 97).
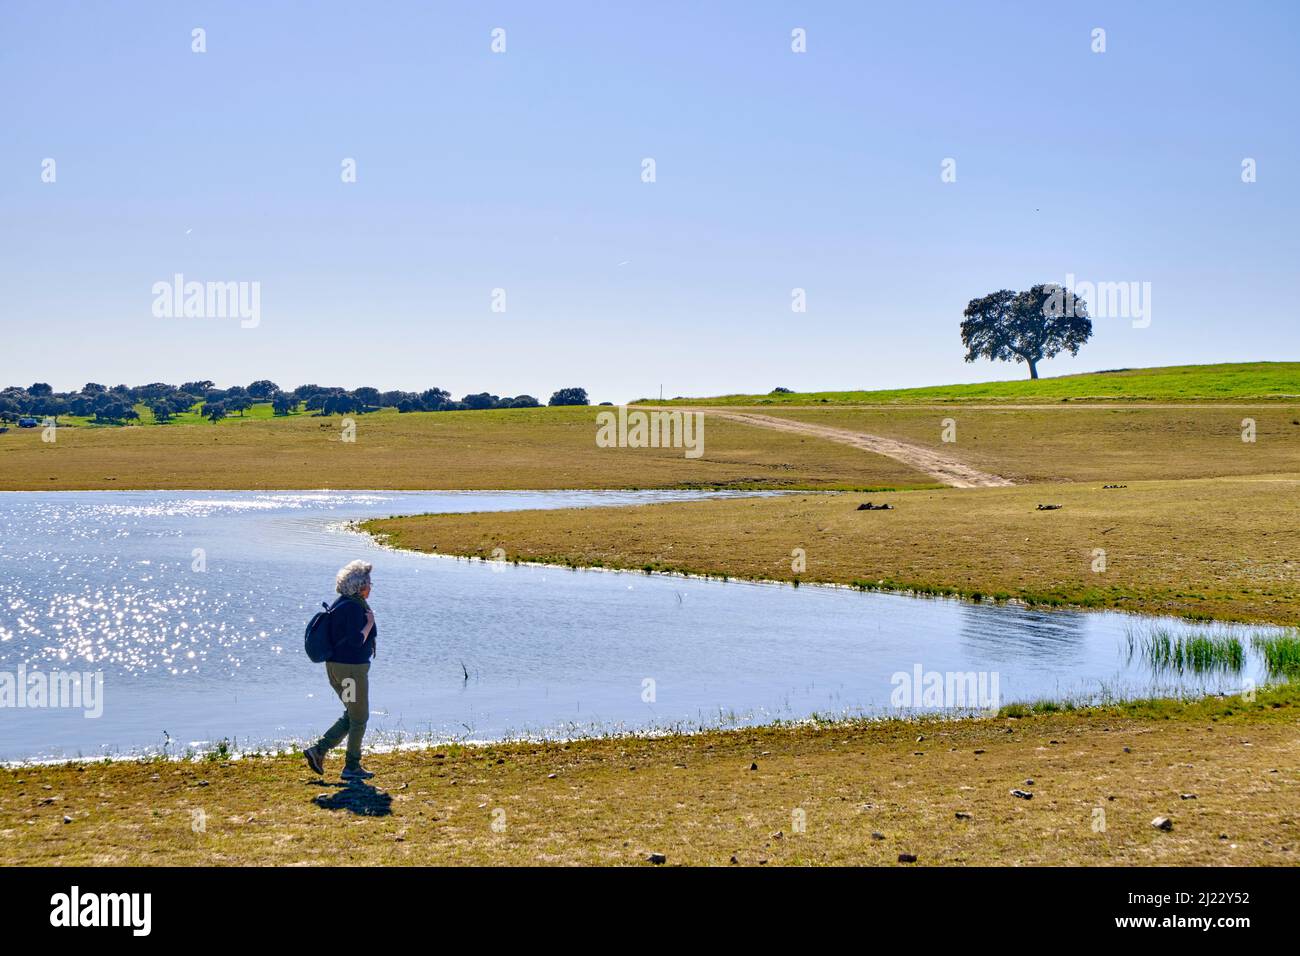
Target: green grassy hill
(1240, 382)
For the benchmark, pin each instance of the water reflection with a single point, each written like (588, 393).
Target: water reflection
(1046, 637)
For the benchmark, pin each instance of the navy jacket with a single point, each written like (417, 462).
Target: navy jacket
(348, 642)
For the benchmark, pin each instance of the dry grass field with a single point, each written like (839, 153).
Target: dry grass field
(516, 449)
(1088, 442)
(555, 448)
(1226, 772)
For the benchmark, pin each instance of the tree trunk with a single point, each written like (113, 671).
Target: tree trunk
(1033, 368)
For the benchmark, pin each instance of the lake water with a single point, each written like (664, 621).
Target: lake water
(192, 606)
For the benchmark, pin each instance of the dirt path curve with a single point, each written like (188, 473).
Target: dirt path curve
(948, 470)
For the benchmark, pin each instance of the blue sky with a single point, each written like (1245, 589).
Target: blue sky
(522, 171)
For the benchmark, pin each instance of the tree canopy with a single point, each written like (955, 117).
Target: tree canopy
(119, 404)
(1025, 326)
(569, 396)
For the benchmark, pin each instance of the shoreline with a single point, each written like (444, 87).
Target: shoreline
(855, 793)
(684, 729)
(1234, 564)
(292, 749)
(951, 592)
(958, 595)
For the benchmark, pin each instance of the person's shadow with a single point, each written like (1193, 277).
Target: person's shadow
(354, 797)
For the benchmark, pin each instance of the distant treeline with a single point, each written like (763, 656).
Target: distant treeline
(116, 405)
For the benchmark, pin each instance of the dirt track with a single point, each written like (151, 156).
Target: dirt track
(948, 470)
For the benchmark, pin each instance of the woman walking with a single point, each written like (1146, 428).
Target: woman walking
(353, 635)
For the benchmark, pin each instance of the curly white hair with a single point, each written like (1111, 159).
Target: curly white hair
(352, 577)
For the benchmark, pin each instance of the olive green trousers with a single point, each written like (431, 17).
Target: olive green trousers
(352, 684)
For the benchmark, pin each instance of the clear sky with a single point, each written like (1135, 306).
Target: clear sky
(522, 171)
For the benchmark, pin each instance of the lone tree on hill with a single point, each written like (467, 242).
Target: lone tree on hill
(1025, 326)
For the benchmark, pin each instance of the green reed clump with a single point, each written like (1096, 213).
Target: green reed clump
(1197, 653)
(1281, 652)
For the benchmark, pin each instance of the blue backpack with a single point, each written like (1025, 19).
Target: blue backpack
(316, 642)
